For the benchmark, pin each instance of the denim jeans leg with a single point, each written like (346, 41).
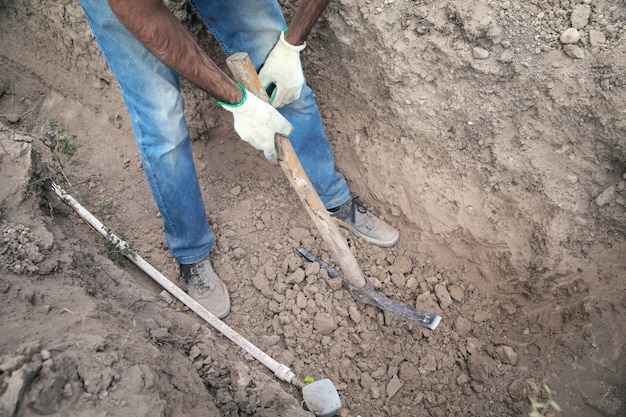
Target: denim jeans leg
(254, 27)
(151, 91)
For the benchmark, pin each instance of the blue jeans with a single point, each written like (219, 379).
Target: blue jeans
(152, 95)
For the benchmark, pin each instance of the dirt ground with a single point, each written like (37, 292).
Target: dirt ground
(491, 133)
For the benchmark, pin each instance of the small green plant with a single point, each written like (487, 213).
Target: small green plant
(549, 408)
(117, 249)
(308, 380)
(58, 139)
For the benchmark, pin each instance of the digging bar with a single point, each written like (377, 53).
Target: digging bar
(320, 397)
(359, 286)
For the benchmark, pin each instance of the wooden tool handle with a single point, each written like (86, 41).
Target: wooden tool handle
(245, 73)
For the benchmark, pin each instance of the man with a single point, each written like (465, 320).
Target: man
(147, 48)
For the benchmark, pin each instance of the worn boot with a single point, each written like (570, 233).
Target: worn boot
(354, 216)
(204, 286)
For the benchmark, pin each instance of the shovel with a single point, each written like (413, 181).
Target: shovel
(359, 286)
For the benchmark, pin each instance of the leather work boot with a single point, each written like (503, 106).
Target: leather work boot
(204, 286)
(354, 216)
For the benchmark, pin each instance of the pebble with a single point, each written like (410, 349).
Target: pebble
(457, 293)
(462, 379)
(13, 118)
(393, 387)
(324, 323)
(574, 51)
(401, 265)
(235, 190)
(166, 296)
(480, 368)
(239, 253)
(399, 280)
(11, 363)
(570, 35)
(606, 196)
(481, 316)
(596, 38)
(428, 364)
(480, 53)
(507, 355)
(299, 233)
(260, 281)
(195, 351)
(355, 315)
(580, 16)
(518, 390)
(443, 295)
(462, 326)
(295, 278)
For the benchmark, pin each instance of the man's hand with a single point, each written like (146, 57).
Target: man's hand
(257, 123)
(283, 71)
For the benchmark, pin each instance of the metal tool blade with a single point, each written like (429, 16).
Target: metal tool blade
(368, 295)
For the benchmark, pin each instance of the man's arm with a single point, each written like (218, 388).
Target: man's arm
(165, 36)
(307, 13)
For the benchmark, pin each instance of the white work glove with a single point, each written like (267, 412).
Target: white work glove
(283, 70)
(257, 123)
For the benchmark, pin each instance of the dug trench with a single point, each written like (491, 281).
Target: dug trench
(496, 148)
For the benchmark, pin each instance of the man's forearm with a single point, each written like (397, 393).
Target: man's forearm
(307, 13)
(165, 36)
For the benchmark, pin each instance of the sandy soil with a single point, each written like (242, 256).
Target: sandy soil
(495, 142)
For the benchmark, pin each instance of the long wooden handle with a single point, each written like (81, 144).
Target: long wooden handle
(244, 73)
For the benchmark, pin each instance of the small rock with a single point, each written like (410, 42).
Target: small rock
(260, 281)
(518, 390)
(324, 323)
(462, 379)
(401, 265)
(574, 51)
(240, 376)
(45, 354)
(408, 371)
(312, 269)
(393, 386)
(481, 316)
(239, 253)
(480, 368)
(457, 293)
(335, 284)
(355, 315)
(507, 355)
(606, 196)
(10, 363)
(443, 295)
(299, 233)
(295, 278)
(580, 16)
(367, 382)
(596, 38)
(235, 190)
(570, 35)
(427, 302)
(480, 53)
(428, 364)
(167, 297)
(195, 351)
(13, 118)
(462, 326)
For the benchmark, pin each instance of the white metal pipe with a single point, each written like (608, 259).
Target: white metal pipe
(280, 370)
